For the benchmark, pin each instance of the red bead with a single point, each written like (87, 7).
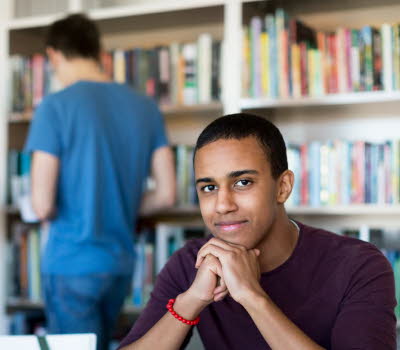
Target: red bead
(170, 308)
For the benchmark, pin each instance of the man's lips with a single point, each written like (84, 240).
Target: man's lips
(230, 225)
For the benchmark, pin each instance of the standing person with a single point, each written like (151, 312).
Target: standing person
(94, 143)
(264, 281)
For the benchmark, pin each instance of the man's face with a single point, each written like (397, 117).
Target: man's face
(236, 190)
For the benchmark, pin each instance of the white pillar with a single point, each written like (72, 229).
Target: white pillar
(75, 6)
(5, 15)
(232, 56)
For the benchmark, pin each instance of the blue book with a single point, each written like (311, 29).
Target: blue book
(314, 183)
(273, 57)
(255, 47)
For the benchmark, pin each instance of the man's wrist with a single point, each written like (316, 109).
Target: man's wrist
(188, 306)
(252, 299)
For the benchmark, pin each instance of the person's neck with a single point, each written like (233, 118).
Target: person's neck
(82, 69)
(280, 242)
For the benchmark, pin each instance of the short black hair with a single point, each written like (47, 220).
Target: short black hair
(241, 125)
(76, 36)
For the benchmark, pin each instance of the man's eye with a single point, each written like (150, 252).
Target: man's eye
(243, 183)
(208, 188)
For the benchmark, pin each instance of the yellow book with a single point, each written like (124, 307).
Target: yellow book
(295, 63)
(311, 72)
(264, 63)
(246, 63)
(119, 66)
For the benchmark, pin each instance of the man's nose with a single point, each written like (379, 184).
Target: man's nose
(225, 202)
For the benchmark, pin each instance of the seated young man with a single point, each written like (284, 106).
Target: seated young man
(264, 281)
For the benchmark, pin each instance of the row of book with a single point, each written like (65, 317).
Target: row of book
(283, 57)
(387, 240)
(326, 173)
(19, 163)
(342, 172)
(177, 74)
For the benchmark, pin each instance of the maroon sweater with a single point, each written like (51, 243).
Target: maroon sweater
(338, 290)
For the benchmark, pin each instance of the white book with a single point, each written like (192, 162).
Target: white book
(341, 64)
(119, 66)
(204, 47)
(387, 59)
(174, 62)
(190, 87)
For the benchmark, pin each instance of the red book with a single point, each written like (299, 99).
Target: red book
(285, 65)
(347, 45)
(303, 69)
(304, 193)
(321, 43)
(333, 81)
(38, 62)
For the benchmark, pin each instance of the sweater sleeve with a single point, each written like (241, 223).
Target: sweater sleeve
(366, 317)
(174, 279)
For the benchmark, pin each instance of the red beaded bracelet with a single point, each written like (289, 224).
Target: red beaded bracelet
(178, 317)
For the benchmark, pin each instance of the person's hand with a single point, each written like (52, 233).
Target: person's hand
(240, 267)
(209, 285)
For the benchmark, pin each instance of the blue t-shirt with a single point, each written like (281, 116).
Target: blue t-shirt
(104, 135)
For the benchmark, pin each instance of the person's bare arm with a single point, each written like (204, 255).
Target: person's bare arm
(44, 176)
(163, 173)
(169, 333)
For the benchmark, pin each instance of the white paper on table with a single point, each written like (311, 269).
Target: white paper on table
(56, 342)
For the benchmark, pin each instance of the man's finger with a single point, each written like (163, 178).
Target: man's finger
(212, 249)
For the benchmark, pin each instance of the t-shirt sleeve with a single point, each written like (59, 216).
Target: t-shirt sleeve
(366, 317)
(160, 138)
(171, 281)
(44, 134)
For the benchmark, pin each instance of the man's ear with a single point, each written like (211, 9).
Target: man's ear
(285, 186)
(53, 55)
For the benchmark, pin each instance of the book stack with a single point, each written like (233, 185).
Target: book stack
(283, 57)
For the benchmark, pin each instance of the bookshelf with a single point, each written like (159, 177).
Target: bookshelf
(355, 116)
(145, 24)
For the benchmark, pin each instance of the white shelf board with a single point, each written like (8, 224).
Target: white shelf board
(33, 22)
(149, 7)
(26, 117)
(325, 100)
(196, 108)
(346, 210)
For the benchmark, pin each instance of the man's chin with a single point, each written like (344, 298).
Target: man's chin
(233, 239)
